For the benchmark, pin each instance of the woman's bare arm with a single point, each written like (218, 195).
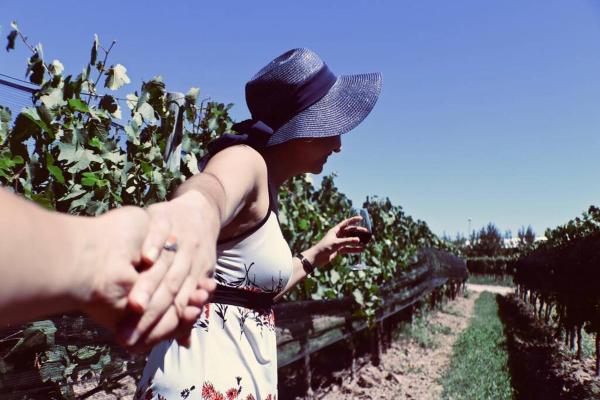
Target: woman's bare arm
(202, 205)
(334, 243)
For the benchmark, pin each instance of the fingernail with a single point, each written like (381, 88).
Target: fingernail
(130, 336)
(197, 312)
(143, 299)
(152, 254)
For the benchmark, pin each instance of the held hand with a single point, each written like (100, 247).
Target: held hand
(168, 295)
(111, 249)
(338, 240)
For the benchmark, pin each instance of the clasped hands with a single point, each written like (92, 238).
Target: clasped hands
(147, 272)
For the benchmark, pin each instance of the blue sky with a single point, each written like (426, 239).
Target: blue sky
(489, 110)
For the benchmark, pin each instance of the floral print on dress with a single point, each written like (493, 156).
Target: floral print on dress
(147, 393)
(210, 393)
(203, 319)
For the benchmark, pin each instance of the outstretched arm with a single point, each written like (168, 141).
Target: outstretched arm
(202, 205)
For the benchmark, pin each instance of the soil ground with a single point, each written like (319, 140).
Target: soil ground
(408, 370)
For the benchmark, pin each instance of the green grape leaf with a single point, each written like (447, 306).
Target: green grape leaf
(78, 105)
(57, 173)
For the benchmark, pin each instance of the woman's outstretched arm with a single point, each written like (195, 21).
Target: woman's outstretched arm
(202, 205)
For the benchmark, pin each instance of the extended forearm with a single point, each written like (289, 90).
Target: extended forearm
(206, 190)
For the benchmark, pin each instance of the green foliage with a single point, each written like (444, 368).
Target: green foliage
(79, 160)
(67, 152)
(307, 213)
(479, 366)
(577, 228)
(82, 150)
(563, 272)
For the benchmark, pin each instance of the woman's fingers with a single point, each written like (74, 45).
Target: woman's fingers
(199, 297)
(163, 297)
(183, 296)
(346, 241)
(352, 229)
(186, 324)
(148, 282)
(349, 221)
(158, 234)
(172, 325)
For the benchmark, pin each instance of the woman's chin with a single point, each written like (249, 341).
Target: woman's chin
(317, 170)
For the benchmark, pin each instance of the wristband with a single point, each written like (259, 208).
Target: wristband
(308, 267)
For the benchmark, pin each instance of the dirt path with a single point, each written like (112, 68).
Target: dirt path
(489, 288)
(408, 370)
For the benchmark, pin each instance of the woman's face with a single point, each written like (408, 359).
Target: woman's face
(315, 151)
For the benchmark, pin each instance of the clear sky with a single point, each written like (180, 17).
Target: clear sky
(490, 110)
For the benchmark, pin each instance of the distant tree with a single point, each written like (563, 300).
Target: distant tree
(460, 240)
(526, 237)
(487, 242)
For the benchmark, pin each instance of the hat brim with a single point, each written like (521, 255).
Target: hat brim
(346, 105)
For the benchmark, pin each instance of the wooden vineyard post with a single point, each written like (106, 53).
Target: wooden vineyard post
(375, 350)
(579, 338)
(305, 349)
(376, 333)
(352, 346)
(388, 332)
(381, 337)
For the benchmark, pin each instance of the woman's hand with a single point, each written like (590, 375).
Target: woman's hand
(338, 240)
(168, 295)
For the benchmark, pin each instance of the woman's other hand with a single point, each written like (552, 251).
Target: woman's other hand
(338, 240)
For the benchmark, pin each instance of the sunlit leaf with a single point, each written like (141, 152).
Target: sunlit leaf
(56, 67)
(116, 77)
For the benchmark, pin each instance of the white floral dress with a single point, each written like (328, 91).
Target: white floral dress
(233, 352)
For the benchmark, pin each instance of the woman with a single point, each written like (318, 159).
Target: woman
(299, 110)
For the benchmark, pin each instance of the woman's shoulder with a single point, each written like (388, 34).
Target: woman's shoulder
(239, 156)
(239, 153)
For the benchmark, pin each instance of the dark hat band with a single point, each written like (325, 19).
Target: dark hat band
(302, 96)
(256, 133)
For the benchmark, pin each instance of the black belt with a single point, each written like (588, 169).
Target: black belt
(242, 298)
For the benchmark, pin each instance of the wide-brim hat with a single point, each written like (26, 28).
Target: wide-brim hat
(297, 96)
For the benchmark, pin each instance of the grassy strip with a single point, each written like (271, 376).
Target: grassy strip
(479, 366)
